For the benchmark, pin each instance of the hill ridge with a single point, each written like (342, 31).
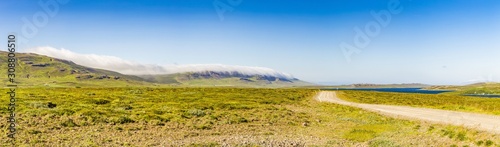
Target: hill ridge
(37, 70)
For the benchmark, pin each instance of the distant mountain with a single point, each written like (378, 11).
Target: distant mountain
(39, 70)
(224, 78)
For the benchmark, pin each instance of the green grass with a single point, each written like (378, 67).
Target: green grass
(146, 104)
(437, 101)
(213, 117)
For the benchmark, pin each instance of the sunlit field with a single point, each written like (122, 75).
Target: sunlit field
(214, 117)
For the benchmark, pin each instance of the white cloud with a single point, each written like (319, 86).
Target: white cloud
(128, 67)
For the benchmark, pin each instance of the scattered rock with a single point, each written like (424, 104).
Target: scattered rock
(246, 79)
(128, 108)
(103, 77)
(84, 76)
(51, 105)
(41, 65)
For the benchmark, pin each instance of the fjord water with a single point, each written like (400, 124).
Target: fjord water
(401, 90)
(413, 90)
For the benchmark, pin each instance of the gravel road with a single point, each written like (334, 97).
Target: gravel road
(483, 122)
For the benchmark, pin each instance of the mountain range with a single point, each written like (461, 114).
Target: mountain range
(40, 70)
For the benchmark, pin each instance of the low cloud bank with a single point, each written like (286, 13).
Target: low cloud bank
(133, 68)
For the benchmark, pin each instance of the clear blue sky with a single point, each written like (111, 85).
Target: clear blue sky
(429, 41)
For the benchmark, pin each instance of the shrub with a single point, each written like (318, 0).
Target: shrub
(196, 112)
(65, 112)
(382, 143)
(431, 128)
(242, 120)
(461, 136)
(360, 135)
(101, 101)
(479, 143)
(449, 133)
(128, 107)
(488, 143)
(123, 120)
(34, 132)
(69, 123)
(135, 91)
(203, 127)
(159, 112)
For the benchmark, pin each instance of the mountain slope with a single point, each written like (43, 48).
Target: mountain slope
(224, 78)
(39, 70)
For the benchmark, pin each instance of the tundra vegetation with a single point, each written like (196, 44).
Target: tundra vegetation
(142, 116)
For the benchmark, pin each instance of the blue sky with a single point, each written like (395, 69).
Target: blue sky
(434, 42)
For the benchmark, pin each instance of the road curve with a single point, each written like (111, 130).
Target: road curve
(489, 123)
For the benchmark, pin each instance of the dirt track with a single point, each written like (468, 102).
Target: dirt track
(483, 122)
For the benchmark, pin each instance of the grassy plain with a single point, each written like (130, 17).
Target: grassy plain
(438, 101)
(213, 117)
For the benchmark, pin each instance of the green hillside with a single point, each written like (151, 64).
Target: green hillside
(37, 70)
(33, 70)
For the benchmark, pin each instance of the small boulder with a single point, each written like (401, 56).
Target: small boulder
(51, 105)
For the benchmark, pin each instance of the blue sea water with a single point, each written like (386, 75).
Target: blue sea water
(401, 90)
(412, 90)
